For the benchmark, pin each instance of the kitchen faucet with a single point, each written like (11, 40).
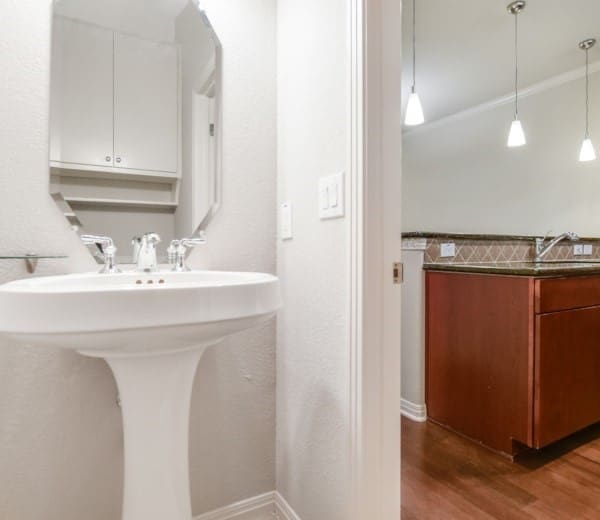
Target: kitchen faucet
(542, 249)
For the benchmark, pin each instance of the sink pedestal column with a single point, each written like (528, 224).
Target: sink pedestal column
(155, 394)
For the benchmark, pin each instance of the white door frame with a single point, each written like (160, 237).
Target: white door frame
(375, 175)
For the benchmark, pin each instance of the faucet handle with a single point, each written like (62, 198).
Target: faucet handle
(100, 240)
(193, 242)
(178, 248)
(109, 251)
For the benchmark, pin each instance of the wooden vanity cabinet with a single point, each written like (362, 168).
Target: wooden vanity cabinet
(512, 360)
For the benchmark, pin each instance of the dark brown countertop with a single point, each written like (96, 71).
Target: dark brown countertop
(479, 236)
(570, 268)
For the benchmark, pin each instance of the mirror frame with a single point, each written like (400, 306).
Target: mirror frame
(217, 78)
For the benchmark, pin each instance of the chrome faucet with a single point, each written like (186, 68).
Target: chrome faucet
(177, 249)
(542, 249)
(108, 251)
(136, 243)
(146, 256)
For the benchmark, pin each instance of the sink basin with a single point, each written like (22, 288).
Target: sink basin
(130, 314)
(152, 330)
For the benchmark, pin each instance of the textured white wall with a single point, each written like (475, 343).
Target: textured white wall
(461, 177)
(312, 345)
(413, 328)
(60, 429)
(233, 410)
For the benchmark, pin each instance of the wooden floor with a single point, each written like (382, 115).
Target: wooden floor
(446, 477)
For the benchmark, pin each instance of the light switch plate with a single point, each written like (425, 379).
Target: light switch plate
(587, 249)
(447, 250)
(578, 249)
(286, 221)
(331, 196)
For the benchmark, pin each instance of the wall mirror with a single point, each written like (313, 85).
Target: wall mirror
(135, 117)
(459, 175)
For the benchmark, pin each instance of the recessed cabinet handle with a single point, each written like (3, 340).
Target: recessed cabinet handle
(118, 159)
(107, 158)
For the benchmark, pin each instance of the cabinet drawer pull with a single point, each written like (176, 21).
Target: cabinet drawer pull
(107, 158)
(118, 159)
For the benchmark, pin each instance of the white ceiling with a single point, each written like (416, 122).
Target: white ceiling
(153, 19)
(465, 48)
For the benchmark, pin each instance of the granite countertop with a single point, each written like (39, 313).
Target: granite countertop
(566, 268)
(481, 236)
(465, 236)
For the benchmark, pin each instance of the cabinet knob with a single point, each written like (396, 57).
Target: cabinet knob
(118, 159)
(107, 158)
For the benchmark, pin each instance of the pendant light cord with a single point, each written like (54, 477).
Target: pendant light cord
(516, 66)
(414, 45)
(587, 94)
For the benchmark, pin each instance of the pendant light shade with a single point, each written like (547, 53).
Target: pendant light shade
(587, 152)
(414, 110)
(516, 136)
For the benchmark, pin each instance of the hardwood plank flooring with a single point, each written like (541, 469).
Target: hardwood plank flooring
(447, 477)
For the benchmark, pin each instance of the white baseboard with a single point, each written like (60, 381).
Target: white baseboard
(268, 506)
(260, 507)
(283, 509)
(414, 412)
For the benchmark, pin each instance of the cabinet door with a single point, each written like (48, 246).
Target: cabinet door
(146, 104)
(567, 373)
(479, 345)
(81, 106)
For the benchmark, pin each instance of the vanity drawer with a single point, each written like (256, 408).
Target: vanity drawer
(559, 294)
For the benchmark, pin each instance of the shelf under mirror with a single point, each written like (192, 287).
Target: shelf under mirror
(31, 260)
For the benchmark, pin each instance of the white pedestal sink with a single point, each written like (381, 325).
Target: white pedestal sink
(152, 330)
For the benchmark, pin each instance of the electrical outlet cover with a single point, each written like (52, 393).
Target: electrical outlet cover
(448, 250)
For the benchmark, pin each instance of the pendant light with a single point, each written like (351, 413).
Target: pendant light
(587, 148)
(414, 110)
(516, 136)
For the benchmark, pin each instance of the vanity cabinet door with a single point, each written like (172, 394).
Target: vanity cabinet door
(81, 101)
(567, 373)
(146, 104)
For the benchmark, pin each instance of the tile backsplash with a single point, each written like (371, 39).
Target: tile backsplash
(480, 250)
(471, 251)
